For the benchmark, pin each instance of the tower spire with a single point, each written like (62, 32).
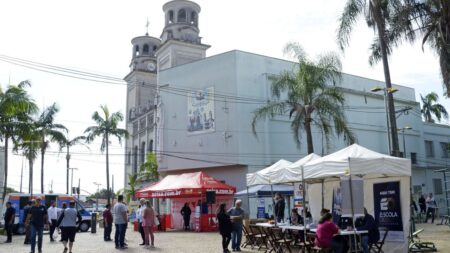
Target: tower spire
(146, 26)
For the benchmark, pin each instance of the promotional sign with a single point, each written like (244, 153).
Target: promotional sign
(337, 204)
(197, 216)
(387, 207)
(261, 214)
(298, 196)
(357, 196)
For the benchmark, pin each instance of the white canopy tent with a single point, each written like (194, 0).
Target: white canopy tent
(373, 167)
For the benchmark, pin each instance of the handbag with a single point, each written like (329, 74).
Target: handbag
(156, 221)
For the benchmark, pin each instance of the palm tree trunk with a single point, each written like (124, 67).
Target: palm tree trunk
(387, 77)
(6, 168)
(67, 169)
(42, 169)
(30, 179)
(309, 139)
(107, 169)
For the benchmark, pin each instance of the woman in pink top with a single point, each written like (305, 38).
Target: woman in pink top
(327, 235)
(148, 222)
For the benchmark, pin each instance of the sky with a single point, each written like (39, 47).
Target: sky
(95, 36)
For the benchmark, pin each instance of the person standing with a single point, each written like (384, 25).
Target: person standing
(279, 207)
(120, 221)
(26, 211)
(431, 208)
(237, 215)
(225, 227)
(368, 223)
(107, 223)
(60, 211)
(148, 222)
(68, 221)
(52, 219)
(139, 212)
(10, 216)
(422, 204)
(37, 217)
(186, 213)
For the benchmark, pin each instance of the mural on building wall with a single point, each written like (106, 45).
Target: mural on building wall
(200, 108)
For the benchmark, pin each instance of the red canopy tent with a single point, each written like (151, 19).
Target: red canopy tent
(190, 188)
(188, 185)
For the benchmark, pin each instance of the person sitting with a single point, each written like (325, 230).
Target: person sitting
(327, 235)
(367, 223)
(296, 219)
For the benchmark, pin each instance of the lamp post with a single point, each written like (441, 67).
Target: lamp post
(403, 136)
(71, 182)
(98, 191)
(385, 92)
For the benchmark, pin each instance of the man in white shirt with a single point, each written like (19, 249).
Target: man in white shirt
(139, 214)
(52, 212)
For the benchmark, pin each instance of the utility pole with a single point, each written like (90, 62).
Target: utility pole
(112, 189)
(71, 182)
(21, 176)
(98, 192)
(78, 190)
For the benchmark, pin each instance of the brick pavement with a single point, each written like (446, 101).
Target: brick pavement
(170, 242)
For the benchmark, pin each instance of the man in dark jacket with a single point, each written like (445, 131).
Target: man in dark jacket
(279, 207)
(368, 223)
(10, 216)
(26, 211)
(107, 223)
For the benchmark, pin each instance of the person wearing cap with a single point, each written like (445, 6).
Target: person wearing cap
(139, 214)
(37, 217)
(68, 221)
(26, 211)
(10, 216)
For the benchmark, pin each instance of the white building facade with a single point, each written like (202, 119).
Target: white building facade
(195, 111)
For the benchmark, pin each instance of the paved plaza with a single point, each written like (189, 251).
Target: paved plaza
(171, 242)
(181, 242)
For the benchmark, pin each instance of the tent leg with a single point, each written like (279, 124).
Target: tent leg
(248, 204)
(304, 205)
(351, 202)
(323, 198)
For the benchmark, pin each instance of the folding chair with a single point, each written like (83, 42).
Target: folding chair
(259, 236)
(378, 246)
(281, 240)
(249, 238)
(419, 246)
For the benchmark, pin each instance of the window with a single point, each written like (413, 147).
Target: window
(170, 17)
(181, 16)
(417, 189)
(145, 49)
(142, 124)
(150, 146)
(142, 152)
(414, 158)
(194, 18)
(136, 50)
(129, 158)
(437, 184)
(135, 128)
(429, 149)
(135, 159)
(445, 147)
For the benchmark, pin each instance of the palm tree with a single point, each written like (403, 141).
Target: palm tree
(377, 14)
(30, 144)
(309, 99)
(430, 106)
(431, 19)
(105, 128)
(16, 106)
(68, 143)
(49, 132)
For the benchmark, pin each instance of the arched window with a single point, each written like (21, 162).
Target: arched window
(145, 49)
(169, 34)
(194, 18)
(142, 153)
(136, 50)
(154, 48)
(129, 158)
(135, 159)
(170, 17)
(150, 146)
(181, 16)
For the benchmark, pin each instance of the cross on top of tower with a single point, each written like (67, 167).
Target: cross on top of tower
(146, 27)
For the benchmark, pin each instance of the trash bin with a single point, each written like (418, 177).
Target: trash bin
(162, 222)
(94, 223)
(136, 225)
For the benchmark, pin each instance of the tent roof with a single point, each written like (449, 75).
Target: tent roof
(266, 190)
(185, 185)
(266, 175)
(356, 160)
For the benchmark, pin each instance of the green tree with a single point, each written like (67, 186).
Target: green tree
(68, 143)
(102, 194)
(107, 127)
(130, 191)
(431, 107)
(431, 20)
(30, 145)
(148, 172)
(309, 99)
(16, 106)
(49, 132)
(377, 14)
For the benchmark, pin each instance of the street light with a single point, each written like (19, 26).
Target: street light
(403, 135)
(385, 92)
(98, 191)
(71, 182)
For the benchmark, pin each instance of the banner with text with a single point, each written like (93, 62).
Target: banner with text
(388, 211)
